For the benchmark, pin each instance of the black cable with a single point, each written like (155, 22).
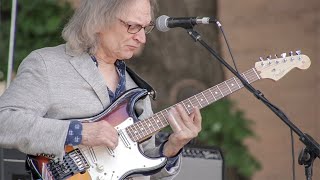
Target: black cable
(293, 159)
(229, 49)
(271, 105)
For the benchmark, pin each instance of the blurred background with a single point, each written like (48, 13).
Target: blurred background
(254, 142)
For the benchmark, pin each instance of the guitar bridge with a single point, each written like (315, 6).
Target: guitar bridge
(73, 163)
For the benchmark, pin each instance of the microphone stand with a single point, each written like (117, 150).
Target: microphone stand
(312, 149)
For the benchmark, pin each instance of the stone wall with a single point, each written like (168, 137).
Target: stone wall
(261, 28)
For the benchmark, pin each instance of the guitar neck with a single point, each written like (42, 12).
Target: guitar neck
(145, 128)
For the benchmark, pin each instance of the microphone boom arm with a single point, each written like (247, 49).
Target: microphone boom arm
(312, 147)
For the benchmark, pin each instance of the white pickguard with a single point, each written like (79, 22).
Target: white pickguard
(107, 165)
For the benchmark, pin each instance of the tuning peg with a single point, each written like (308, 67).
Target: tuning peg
(283, 55)
(262, 61)
(269, 57)
(278, 58)
(298, 52)
(291, 53)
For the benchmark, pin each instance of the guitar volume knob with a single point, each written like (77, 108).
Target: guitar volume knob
(101, 177)
(100, 168)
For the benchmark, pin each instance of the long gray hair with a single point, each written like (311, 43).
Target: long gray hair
(89, 18)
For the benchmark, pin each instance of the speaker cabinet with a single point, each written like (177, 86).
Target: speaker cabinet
(13, 165)
(202, 164)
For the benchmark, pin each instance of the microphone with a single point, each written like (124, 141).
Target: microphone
(164, 22)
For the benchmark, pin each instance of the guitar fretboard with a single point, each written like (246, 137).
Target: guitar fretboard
(145, 128)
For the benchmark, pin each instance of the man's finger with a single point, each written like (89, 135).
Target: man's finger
(174, 120)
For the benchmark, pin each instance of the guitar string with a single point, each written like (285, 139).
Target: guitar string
(250, 75)
(194, 100)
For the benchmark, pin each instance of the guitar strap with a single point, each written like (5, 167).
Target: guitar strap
(142, 83)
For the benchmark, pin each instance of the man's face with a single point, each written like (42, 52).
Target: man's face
(116, 42)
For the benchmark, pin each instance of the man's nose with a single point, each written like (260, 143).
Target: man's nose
(141, 36)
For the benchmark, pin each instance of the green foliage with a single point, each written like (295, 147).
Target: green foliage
(226, 128)
(39, 24)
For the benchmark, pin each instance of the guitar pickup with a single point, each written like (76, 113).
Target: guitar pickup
(124, 139)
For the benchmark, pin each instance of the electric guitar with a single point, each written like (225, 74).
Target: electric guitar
(127, 160)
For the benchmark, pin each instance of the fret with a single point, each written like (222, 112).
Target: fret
(185, 107)
(228, 87)
(153, 123)
(198, 102)
(201, 100)
(159, 120)
(164, 119)
(232, 85)
(248, 76)
(135, 131)
(205, 98)
(145, 128)
(133, 135)
(256, 73)
(237, 82)
(220, 90)
(208, 96)
(189, 105)
(244, 76)
(167, 114)
(142, 128)
(225, 90)
(129, 131)
(217, 93)
(150, 125)
(162, 116)
(154, 119)
(193, 101)
(252, 76)
(212, 94)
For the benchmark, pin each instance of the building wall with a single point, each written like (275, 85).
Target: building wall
(260, 28)
(2, 87)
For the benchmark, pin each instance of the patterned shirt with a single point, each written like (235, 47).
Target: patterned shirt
(74, 136)
(75, 128)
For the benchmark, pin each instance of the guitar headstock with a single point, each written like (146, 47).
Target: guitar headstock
(279, 66)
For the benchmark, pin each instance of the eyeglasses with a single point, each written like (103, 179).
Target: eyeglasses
(135, 28)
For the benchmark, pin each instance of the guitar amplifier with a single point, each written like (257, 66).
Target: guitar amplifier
(12, 165)
(201, 163)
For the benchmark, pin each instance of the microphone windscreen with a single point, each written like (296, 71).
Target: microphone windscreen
(162, 23)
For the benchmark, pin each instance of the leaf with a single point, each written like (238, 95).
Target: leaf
(228, 128)
(39, 24)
